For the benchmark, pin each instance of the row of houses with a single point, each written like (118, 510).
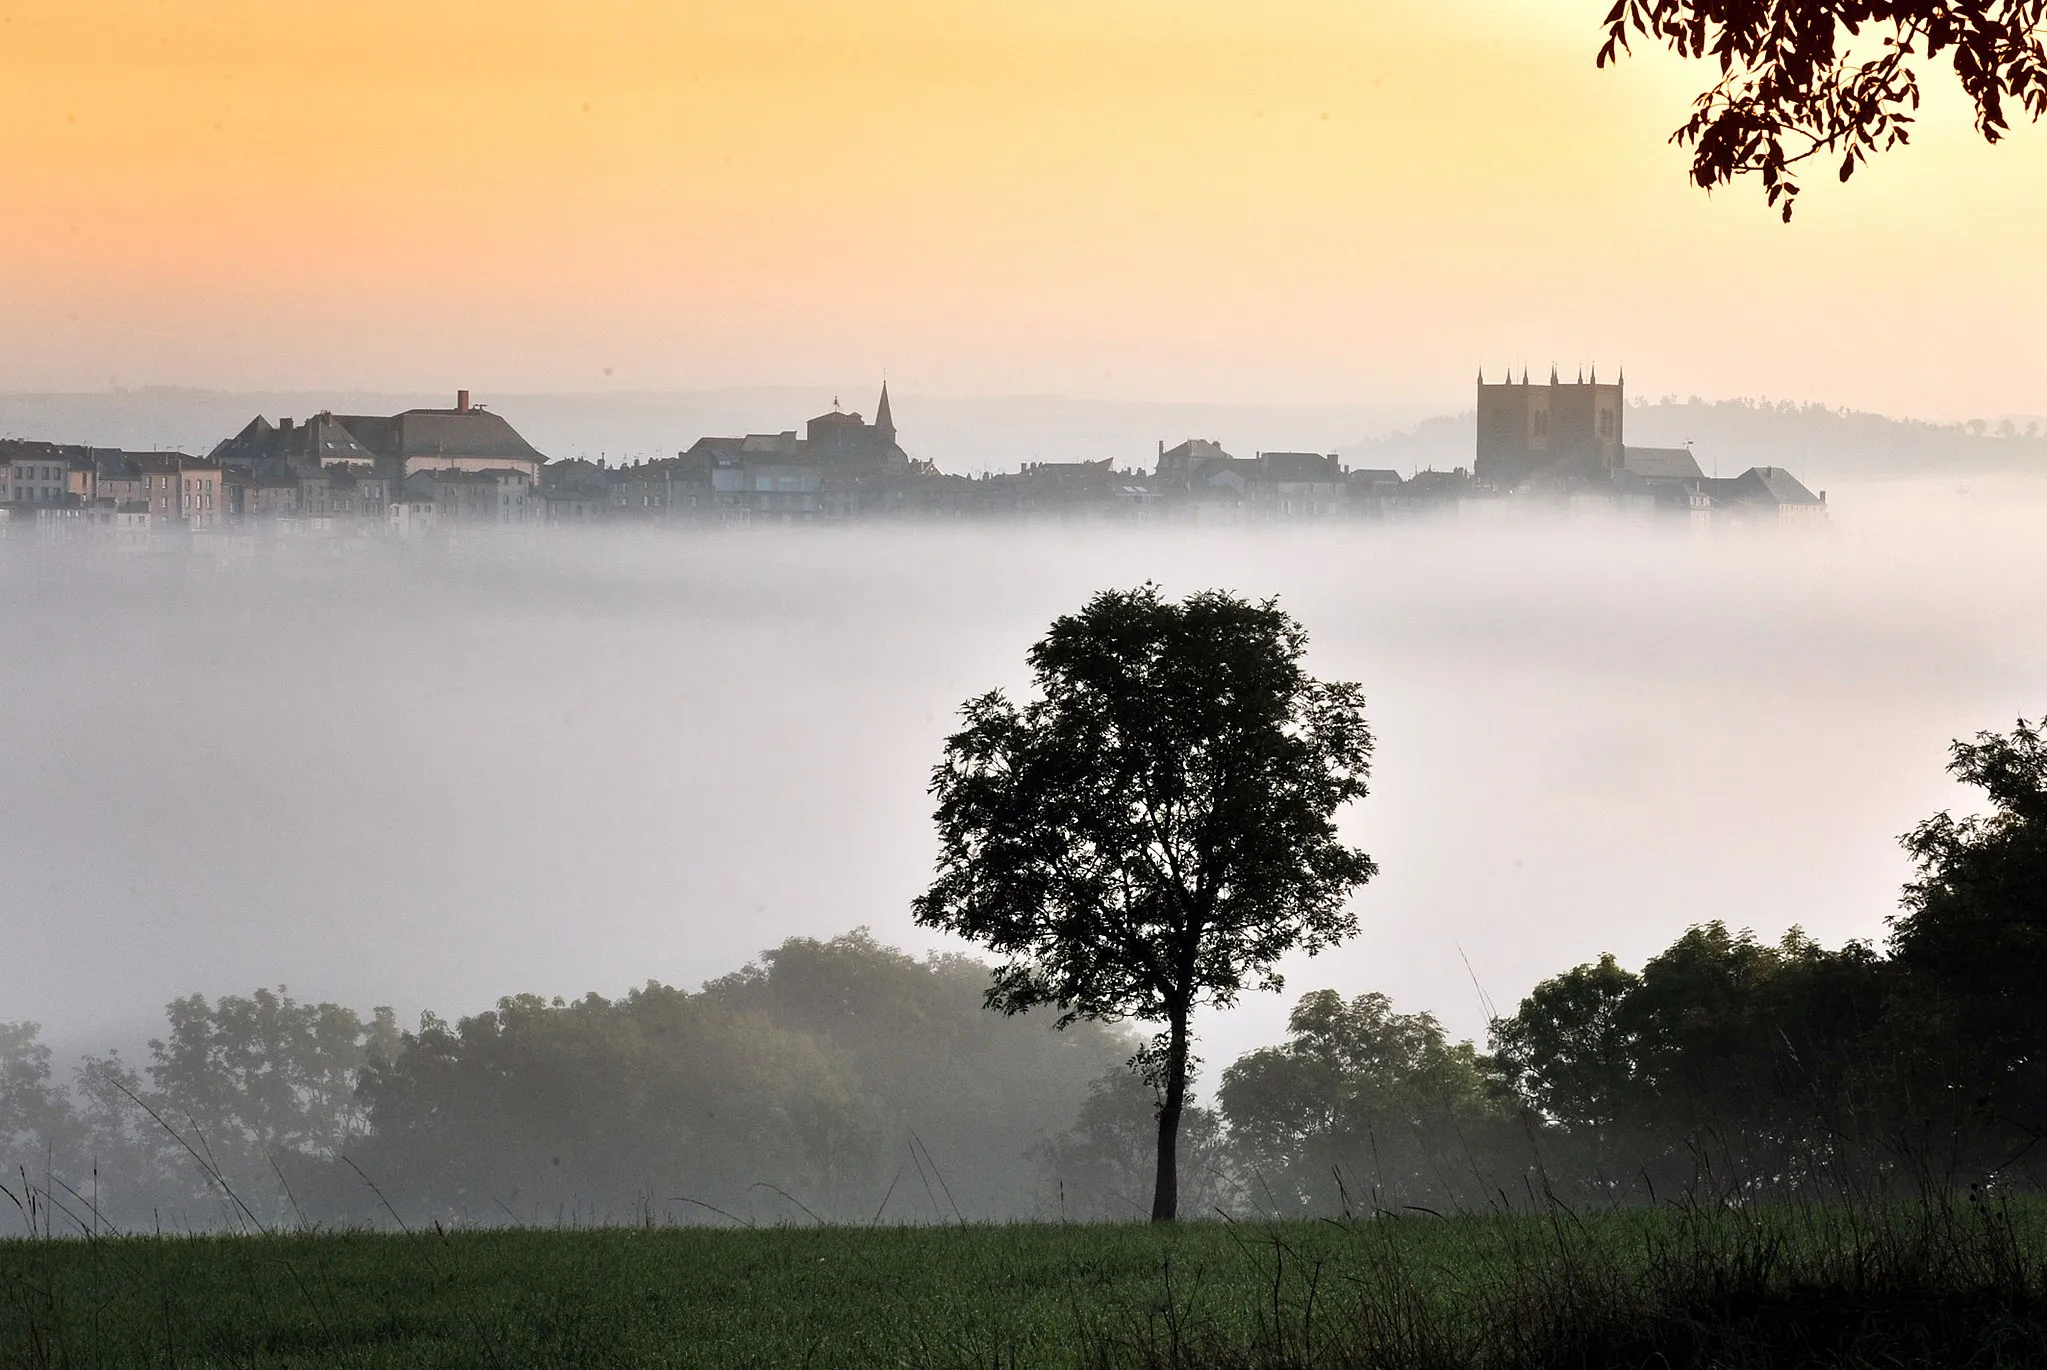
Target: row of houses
(412, 474)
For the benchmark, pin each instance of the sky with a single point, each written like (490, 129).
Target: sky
(1297, 202)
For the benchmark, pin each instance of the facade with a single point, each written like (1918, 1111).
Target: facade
(497, 497)
(116, 478)
(181, 490)
(120, 527)
(39, 473)
(1297, 485)
(410, 518)
(1552, 435)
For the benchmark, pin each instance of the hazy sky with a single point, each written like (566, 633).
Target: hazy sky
(1326, 201)
(562, 764)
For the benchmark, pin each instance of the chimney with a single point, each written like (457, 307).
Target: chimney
(461, 401)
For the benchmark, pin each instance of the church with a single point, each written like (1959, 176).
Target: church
(1556, 434)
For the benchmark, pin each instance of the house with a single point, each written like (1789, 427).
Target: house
(182, 490)
(467, 437)
(119, 526)
(322, 440)
(272, 494)
(1766, 494)
(1371, 492)
(42, 473)
(669, 487)
(762, 475)
(116, 477)
(411, 517)
(1296, 485)
(495, 497)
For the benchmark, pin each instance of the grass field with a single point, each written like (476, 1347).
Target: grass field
(1782, 1287)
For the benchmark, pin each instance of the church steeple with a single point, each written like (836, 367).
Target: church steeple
(884, 422)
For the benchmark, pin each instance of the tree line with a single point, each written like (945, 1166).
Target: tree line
(843, 1080)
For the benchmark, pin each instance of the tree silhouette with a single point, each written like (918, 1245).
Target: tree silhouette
(1973, 933)
(1156, 828)
(1803, 79)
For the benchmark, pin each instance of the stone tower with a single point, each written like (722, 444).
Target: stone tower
(1562, 433)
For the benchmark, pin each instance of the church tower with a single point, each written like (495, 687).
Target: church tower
(884, 422)
(1563, 432)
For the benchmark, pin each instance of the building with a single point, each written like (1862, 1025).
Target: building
(44, 473)
(181, 490)
(495, 497)
(1568, 440)
(1765, 494)
(467, 437)
(842, 466)
(1555, 435)
(1296, 485)
(117, 478)
(123, 527)
(322, 440)
(844, 445)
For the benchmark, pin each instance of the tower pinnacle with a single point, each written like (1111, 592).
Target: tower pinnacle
(884, 422)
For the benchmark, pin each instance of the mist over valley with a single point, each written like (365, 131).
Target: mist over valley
(429, 777)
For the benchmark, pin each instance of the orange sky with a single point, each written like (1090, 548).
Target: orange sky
(1301, 200)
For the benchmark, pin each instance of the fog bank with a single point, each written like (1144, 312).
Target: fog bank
(429, 778)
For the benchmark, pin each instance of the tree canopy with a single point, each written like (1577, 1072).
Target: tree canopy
(1973, 933)
(1156, 828)
(1834, 80)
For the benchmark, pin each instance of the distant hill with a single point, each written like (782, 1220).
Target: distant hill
(1816, 443)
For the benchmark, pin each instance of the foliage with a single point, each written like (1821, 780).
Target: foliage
(1972, 940)
(1102, 1167)
(259, 1077)
(1794, 84)
(1156, 828)
(1723, 1052)
(541, 1109)
(30, 1106)
(1362, 1108)
(965, 1090)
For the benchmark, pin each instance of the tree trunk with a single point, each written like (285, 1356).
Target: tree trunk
(1165, 1194)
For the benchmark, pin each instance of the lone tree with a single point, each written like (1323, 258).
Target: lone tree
(1795, 83)
(1156, 828)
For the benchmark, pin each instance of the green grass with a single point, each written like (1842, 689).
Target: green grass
(1704, 1287)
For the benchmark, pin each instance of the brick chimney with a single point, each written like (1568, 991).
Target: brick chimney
(461, 401)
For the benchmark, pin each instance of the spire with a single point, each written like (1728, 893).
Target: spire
(1552, 373)
(884, 422)
(1481, 375)
(1595, 373)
